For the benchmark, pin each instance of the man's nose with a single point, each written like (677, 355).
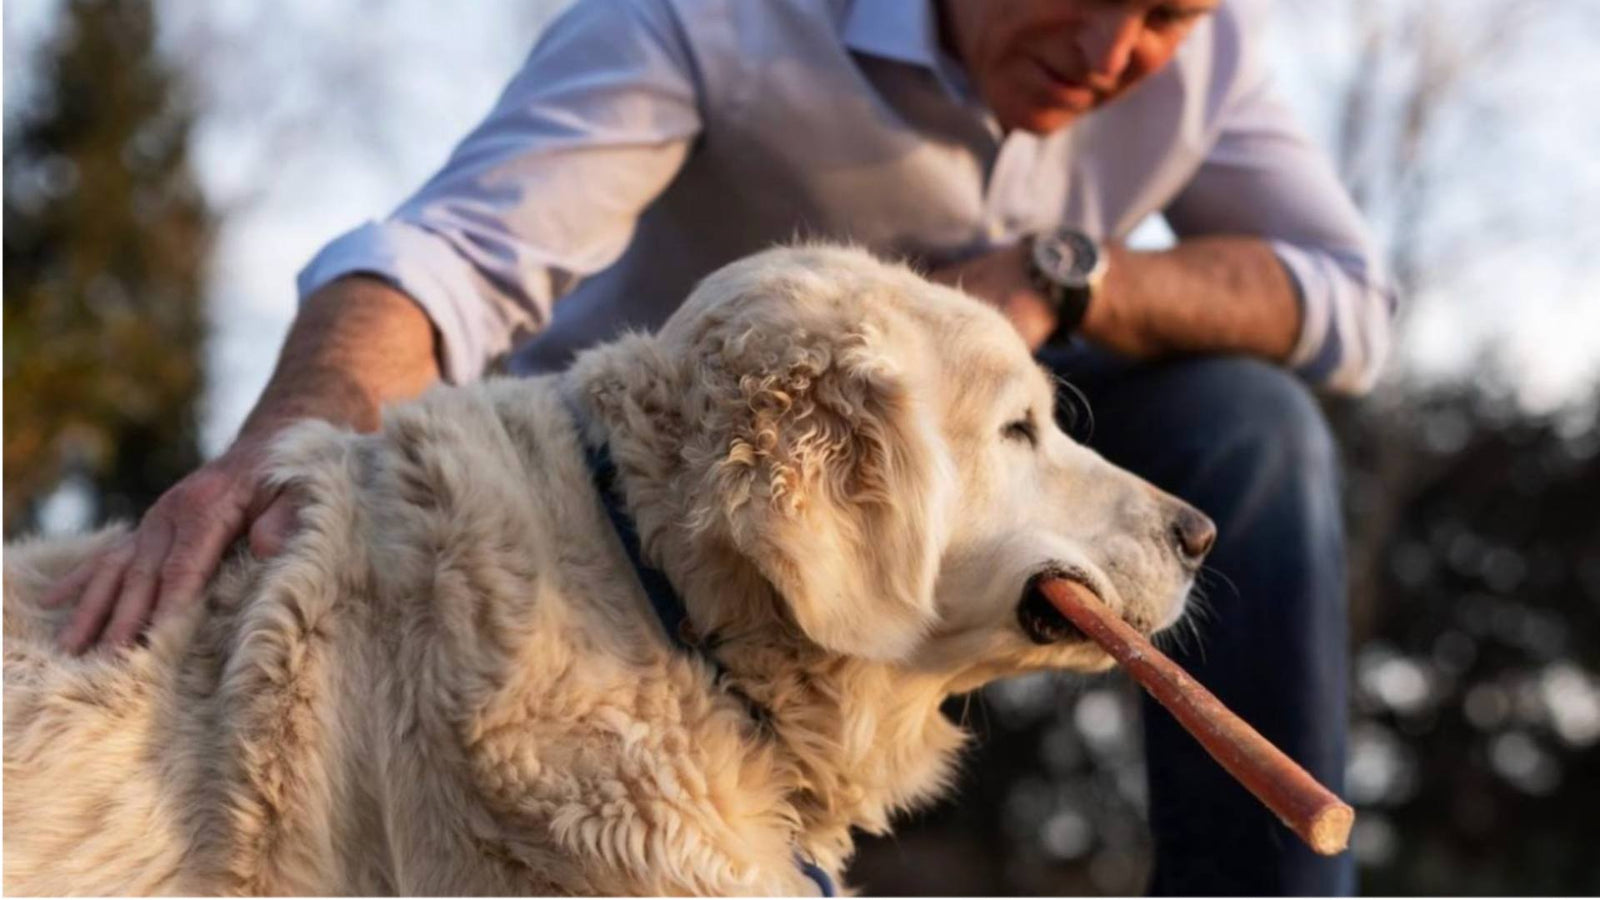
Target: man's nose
(1107, 42)
(1194, 533)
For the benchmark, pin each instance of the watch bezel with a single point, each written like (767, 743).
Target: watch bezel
(1081, 271)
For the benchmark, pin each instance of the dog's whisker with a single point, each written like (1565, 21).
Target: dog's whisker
(1171, 639)
(981, 705)
(1074, 409)
(1191, 622)
(1176, 637)
(966, 710)
(1211, 571)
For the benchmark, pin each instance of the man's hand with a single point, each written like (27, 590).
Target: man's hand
(1000, 278)
(163, 565)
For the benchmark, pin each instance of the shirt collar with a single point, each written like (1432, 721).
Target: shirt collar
(905, 31)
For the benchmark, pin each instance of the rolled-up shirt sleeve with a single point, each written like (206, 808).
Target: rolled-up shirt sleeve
(546, 191)
(1263, 176)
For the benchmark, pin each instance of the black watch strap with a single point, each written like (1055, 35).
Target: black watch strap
(1068, 303)
(1071, 306)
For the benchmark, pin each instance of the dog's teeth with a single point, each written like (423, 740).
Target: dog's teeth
(1042, 623)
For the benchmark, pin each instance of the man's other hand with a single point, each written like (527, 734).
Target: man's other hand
(1000, 278)
(163, 565)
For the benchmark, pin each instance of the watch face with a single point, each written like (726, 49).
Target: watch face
(1066, 257)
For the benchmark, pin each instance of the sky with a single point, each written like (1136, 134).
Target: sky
(319, 116)
(1513, 280)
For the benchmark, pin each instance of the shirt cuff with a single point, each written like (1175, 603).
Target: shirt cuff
(423, 266)
(1343, 322)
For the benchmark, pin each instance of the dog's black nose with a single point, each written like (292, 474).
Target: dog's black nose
(1194, 532)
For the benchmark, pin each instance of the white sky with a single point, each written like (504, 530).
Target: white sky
(364, 101)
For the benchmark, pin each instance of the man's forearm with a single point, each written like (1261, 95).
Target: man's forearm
(356, 345)
(1205, 295)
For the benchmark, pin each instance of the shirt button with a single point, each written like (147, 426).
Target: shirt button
(997, 231)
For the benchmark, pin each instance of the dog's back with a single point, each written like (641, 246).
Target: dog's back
(173, 767)
(76, 734)
(207, 760)
(438, 687)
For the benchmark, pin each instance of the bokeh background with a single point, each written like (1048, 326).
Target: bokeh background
(170, 165)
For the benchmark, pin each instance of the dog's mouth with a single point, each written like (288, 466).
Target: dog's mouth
(1040, 620)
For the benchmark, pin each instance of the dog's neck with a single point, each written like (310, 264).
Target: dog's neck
(856, 740)
(863, 741)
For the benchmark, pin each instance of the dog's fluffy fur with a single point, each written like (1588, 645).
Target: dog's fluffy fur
(451, 681)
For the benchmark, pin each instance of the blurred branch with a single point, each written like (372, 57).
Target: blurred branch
(1411, 63)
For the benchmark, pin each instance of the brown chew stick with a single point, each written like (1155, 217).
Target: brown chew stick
(1312, 811)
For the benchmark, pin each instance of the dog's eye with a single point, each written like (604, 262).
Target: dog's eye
(1021, 430)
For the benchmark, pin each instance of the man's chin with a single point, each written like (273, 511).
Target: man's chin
(1040, 120)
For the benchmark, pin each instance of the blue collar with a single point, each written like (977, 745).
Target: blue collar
(814, 872)
(664, 600)
(668, 605)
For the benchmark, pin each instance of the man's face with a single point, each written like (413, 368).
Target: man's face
(1041, 64)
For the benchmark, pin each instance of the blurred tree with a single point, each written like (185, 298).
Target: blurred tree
(1415, 72)
(106, 238)
(1476, 744)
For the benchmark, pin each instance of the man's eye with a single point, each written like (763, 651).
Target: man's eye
(1021, 430)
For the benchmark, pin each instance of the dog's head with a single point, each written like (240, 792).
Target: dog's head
(884, 452)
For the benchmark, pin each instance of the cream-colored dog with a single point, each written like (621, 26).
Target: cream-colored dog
(452, 682)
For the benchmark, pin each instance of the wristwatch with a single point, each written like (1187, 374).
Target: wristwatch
(1066, 267)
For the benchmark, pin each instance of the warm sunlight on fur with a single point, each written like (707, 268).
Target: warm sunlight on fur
(451, 681)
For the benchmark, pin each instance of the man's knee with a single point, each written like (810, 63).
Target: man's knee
(1262, 426)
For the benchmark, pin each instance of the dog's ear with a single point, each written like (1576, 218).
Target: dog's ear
(824, 470)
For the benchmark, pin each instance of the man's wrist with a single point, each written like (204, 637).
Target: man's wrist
(324, 393)
(356, 345)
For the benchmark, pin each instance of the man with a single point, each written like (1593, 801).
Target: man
(1008, 145)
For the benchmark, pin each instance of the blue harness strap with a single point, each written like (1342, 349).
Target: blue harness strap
(665, 601)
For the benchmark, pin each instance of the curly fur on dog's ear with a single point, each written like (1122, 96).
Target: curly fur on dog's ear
(818, 465)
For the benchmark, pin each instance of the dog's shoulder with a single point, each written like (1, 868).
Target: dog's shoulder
(577, 719)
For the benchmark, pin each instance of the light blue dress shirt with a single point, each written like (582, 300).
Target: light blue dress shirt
(645, 143)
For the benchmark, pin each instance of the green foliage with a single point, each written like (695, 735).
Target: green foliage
(106, 236)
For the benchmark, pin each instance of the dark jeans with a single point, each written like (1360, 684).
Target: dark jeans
(1244, 442)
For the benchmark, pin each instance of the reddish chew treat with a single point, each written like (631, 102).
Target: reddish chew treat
(1312, 811)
